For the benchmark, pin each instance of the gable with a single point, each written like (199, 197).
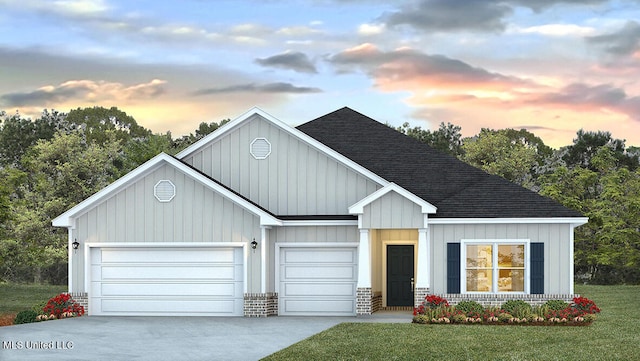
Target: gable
(291, 176)
(196, 213)
(161, 162)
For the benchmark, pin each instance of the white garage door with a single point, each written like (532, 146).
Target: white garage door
(167, 281)
(317, 281)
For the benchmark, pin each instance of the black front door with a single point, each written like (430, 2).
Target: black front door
(399, 275)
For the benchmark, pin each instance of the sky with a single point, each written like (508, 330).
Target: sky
(550, 66)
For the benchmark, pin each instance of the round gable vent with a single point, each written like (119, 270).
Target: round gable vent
(260, 148)
(164, 191)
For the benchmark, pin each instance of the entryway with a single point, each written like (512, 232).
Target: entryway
(400, 277)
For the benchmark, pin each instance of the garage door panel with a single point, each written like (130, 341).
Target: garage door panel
(167, 306)
(164, 289)
(167, 281)
(317, 281)
(167, 272)
(325, 306)
(332, 272)
(167, 255)
(315, 289)
(320, 255)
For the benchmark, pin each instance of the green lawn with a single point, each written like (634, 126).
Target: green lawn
(615, 335)
(17, 297)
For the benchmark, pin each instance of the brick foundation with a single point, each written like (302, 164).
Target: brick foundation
(418, 296)
(376, 302)
(82, 298)
(497, 300)
(364, 297)
(260, 304)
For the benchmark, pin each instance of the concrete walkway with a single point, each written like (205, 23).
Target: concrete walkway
(166, 338)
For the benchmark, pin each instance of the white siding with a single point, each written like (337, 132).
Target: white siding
(392, 211)
(554, 236)
(294, 179)
(196, 214)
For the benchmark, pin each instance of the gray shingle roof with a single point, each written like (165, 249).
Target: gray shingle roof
(456, 188)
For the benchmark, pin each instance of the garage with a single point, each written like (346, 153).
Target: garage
(166, 281)
(317, 281)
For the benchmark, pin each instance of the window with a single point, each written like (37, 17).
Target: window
(495, 266)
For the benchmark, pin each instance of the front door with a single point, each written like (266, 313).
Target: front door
(399, 275)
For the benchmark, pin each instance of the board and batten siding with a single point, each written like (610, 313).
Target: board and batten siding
(294, 179)
(556, 239)
(195, 214)
(392, 211)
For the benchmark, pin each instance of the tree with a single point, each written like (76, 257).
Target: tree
(97, 121)
(586, 144)
(447, 138)
(203, 130)
(139, 150)
(607, 249)
(18, 134)
(496, 152)
(59, 173)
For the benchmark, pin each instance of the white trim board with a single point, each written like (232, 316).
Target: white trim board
(358, 207)
(576, 221)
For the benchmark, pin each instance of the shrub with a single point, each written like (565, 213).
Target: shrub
(459, 318)
(433, 301)
(556, 305)
(27, 316)
(589, 317)
(62, 306)
(421, 319)
(584, 305)
(470, 307)
(517, 307)
(504, 317)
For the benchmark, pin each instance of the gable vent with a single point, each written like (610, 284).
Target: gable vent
(164, 191)
(260, 148)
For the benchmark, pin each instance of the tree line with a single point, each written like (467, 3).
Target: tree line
(596, 175)
(53, 162)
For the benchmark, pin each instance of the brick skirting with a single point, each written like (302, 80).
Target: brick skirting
(497, 300)
(82, 298)
(376, 302)
(260, 304)
(364, 297)
(418, 295)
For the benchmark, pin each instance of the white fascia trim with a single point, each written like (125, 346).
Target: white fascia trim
(65, 219)
(289, 129)
(358, 208)
(317, 245)
(575, 221)
(164, 244)
(320, 223)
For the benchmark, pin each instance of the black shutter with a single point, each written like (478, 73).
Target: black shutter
(537, 268)
(453, 267)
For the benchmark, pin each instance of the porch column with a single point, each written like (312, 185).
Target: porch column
(363, 287)
(364, 260)
(423, 276)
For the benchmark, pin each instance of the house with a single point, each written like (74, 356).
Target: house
(339, 216)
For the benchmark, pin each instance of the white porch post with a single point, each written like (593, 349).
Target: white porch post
(364, 260)
(424, 253)
(264, 258)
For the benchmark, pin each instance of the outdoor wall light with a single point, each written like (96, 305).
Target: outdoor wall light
(75, 245)
(254, 244)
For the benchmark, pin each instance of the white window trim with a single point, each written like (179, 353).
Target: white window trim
(155, 191)
(494, 286)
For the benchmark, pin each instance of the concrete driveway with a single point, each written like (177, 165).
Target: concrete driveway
(164, 338)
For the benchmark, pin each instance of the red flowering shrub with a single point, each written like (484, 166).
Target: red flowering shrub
(62, 306)
(584, 305)
(433, 301)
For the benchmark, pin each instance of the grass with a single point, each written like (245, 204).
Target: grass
(615, 335)
(18, 297)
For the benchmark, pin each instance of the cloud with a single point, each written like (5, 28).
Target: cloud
(557, 30)
(83, 90)
(625, 41)
(410, 69)
(295, 61)
(451, 15)
(278, 87)
(371, 29)
(465, 15)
